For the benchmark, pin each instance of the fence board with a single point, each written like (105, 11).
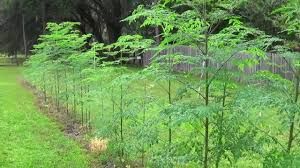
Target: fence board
(273, 63)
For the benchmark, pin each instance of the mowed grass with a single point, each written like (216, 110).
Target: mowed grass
(27, 137)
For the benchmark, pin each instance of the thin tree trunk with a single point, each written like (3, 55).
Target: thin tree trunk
(43, 4)
(157, 35)
(67, 94)
(89, 112)
(81, 101)
(86, 92)
(170, 117)
(144, 120)
(24, 35)
(206, 124)
(170, 101)
(218, 157)
(74, 94)
(121, 120)
(86, 108)
(291, 131)
(57, 91)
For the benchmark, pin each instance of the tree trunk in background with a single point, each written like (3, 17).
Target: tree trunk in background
(24, 35)
(102, 18)
(43, 4)
(157, 33)
(125, 8)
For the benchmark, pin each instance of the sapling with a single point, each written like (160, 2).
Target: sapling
(66, 90)
(201, 102)
(197, 27)
(93, 76)
(44, 87)
(125, 47)
(57, 86)
(74, 93)
(58, 46)
(279, 94)
(290, 23)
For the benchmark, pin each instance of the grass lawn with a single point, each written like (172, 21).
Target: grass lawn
(27, 137)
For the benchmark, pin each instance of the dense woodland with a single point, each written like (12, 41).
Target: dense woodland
(82, 59)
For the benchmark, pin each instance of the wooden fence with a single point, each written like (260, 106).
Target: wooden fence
(274, 63)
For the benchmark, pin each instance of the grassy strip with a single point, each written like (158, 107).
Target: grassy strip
(28, 138)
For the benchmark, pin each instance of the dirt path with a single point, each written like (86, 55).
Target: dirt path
(28, 138)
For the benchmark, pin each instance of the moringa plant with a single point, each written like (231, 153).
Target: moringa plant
(283, 94)
(55, 54)
(213, 115)
(123, 51)
(219, 35)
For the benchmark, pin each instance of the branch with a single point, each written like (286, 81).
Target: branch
(162, 87)
(201, 50)
(272, 137)
(211, 30)
(289, 64)
(198, 92)
(221, 67)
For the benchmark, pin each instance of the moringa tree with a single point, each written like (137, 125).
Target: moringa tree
(217, 33)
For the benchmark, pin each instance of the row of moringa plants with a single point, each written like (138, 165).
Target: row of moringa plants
(156, 117)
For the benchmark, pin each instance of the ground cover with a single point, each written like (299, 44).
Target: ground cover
(28, 137)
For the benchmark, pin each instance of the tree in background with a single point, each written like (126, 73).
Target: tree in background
(29, 18)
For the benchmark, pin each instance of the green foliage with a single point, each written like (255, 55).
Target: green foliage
(159, 117)
(289, 16)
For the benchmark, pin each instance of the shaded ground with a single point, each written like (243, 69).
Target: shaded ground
(29, 138)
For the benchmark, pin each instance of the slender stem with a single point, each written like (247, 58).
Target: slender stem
(24, 35)
(57, 91)
(207, 84)
(219, 154)
(74, 94)
(170, 116)
(190, 87)
(44, 88)
(121, 117)
(170, 100)
(81, 101)
(86, 90)
(144, 120)
(67, 96)
(221, 67)
(292, 121)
